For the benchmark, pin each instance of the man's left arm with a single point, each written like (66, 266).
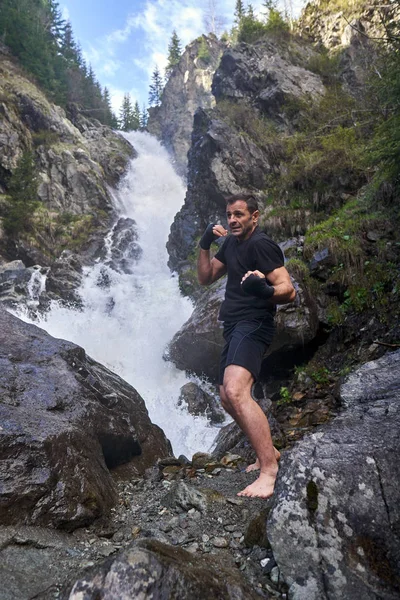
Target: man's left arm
(278, 289)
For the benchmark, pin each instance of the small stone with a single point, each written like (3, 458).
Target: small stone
(107, 550)
(236, 501)
(200, 459)
(237, 534)
(220, 542)
(216, 471)
(118, 536)
(274, 575)
(205, 538)
(230, 528)
(173, 523)
(245, 514)
(192, 548)
(264, 562)
(135, 531)
(231, 459)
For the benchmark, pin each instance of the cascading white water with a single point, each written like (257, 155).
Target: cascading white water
(127, 322)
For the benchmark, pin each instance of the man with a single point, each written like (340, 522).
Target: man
(257, 281)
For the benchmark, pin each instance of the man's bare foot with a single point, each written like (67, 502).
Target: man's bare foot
(263, 487)
(255, 466)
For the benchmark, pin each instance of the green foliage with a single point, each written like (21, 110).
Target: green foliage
(23, 201)
(326, 65)
(44, 44)
(204, 51)
(45, 137)
(246, 120)
(174, 53)
(276, 23)
(156, 88)
(285, 397)
(251, 30)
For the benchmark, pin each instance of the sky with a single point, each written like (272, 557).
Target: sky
(124, 40)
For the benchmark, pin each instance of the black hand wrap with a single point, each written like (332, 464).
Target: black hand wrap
(257, 286)
(208, 237)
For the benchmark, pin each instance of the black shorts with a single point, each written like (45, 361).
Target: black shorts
(246, 343)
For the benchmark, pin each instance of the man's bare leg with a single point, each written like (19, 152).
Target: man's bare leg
(256, 465)
(237, 401)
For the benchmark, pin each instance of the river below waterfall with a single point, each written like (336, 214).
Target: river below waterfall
(132, 305)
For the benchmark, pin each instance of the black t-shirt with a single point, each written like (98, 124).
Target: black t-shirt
(257, 252)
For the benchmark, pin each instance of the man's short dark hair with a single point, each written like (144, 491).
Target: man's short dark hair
(250, 200)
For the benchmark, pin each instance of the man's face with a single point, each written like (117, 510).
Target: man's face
(240, 221)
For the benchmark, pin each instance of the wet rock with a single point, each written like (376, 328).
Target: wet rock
(64, 279)
(201, 459)
(65, 421)
(197, 346)
(125, 249)
(336, 507)
(150, 569)
(198, 402)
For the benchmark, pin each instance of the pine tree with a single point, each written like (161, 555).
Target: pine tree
(23, 201)
(239, 12)
(109, 118)
(129, 117)
(174, 53)
(143, 118)
(156, 88)
(68, 46)
(136, 116)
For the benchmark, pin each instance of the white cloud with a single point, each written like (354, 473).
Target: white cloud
(117, 96)
(142, 42)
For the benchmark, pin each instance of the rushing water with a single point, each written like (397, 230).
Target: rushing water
(130, 316)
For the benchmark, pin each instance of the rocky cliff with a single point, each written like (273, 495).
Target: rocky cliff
(188, 87)
(75, 161)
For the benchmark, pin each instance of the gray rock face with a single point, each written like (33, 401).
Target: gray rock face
(187, 89)
(267, 75)
(335, 524)
(75, 162)
(197, 346)
(222, 161)
(14, 282)
(65, 420)
(151, 569)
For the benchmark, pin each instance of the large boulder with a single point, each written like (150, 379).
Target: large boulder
(197, 346)
(65, 421)
(335, 524)
(150, 569)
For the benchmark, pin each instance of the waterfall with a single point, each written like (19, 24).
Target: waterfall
(132, 305)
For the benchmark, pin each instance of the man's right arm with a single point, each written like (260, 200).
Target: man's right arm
(209, 270)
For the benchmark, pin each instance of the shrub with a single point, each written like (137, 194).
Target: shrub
(23, 201)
